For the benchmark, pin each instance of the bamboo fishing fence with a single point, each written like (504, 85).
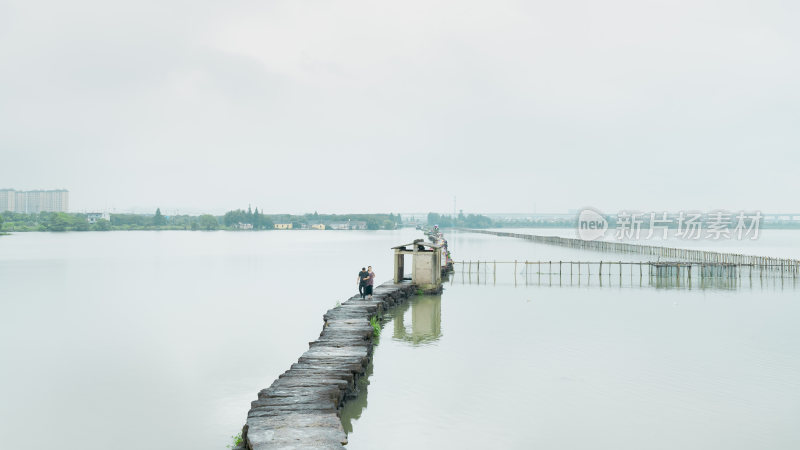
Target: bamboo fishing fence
(658, 273)
(790, 267)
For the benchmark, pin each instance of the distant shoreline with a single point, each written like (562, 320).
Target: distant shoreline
(253, 220)
(9, 231)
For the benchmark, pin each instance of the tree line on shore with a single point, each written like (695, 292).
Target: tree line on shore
(480, 221)
(461, 220)
(231, 220)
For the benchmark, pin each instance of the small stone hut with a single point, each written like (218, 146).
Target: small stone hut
(426, 264)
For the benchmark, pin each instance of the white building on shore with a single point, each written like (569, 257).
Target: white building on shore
(94, 217)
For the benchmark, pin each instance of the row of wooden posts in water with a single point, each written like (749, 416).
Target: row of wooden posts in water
(709, 262)
(610, 273)
(642, 268)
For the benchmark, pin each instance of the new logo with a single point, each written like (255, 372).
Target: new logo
(591, 224)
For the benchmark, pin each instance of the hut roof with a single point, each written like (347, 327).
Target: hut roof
(418, 242)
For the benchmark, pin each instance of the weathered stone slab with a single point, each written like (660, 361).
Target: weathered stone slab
(265, 411)
(347, 321)
(331, 350)
(365, 302)
(294, 400)
(343, 342)
(350, 328)
(350, 363)
(317, 370)
(356, 366)
(349, 332)
(330, 391)
(337, 335)
(364, 329)
(326, 365)
(299, 420)
(309, 382)
(346, 376)
(343, 315)
(356, 306)
(295, 431)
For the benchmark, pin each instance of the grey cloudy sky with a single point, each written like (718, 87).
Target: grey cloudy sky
(346, 106)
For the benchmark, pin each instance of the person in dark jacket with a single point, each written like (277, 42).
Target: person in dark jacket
(362, 281)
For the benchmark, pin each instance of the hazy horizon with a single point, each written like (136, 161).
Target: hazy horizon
(295, 106)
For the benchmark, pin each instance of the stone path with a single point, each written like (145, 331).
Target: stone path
(300, 410)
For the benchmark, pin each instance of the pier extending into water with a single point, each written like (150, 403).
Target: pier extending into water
(301, 408)
(789, 267)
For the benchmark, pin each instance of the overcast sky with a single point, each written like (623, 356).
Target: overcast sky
(365, 106)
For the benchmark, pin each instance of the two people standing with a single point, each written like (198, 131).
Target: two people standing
(366, 279)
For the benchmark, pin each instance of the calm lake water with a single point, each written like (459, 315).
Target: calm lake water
(160, 340)
(492, 365)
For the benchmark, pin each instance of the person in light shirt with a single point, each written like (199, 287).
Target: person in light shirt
(370, 281)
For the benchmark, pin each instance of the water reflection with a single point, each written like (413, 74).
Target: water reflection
(425, 315)
(354, 406)
(426, 320)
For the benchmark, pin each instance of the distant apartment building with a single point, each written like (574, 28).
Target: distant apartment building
(37, 201)
(7, 200)
(283, 226)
